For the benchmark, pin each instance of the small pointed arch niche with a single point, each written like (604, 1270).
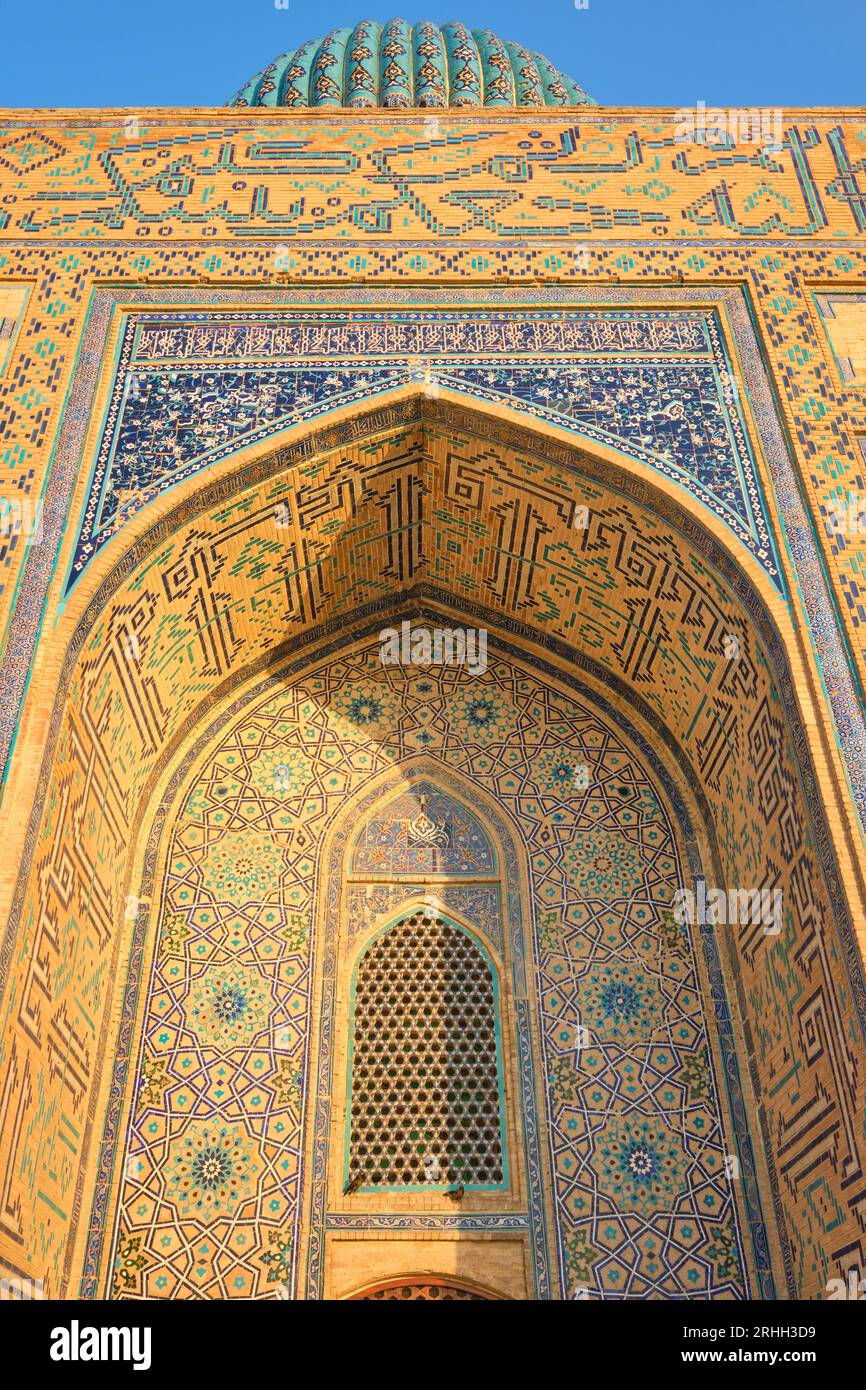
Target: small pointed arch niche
(429, 1099)
(425, 841)
(426, 830)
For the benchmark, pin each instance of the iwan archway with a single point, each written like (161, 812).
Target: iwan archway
(435, 514)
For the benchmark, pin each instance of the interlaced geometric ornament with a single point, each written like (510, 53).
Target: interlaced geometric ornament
(191, 388)
(426, 1093)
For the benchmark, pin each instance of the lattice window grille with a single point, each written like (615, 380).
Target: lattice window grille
(426, 1097)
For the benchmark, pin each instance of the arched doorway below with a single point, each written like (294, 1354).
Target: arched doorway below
(424, 1288)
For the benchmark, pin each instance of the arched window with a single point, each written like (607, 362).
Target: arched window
(426, 1096)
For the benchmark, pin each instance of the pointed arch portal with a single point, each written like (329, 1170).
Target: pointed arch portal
(225, 739)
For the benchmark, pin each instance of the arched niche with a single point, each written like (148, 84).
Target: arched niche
(421, 843)
(644, 597)
(194, 948)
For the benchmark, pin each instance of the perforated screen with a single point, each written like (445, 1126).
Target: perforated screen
(425, 1093)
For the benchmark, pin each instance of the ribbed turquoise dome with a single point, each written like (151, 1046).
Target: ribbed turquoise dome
(400, 64)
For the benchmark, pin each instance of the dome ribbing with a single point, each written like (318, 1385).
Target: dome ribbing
(411, 65)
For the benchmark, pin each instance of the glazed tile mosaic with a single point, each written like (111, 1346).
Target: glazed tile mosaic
(820, 424)
(399, 64)
(120, 502)
(637, 1128)
(844, 319)
(658, 386)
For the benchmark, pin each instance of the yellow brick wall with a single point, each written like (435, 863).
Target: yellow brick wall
(217, 199)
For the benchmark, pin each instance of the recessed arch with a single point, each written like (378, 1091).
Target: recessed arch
(293, 445)
(191, 615)
(158, 532)
(418, 770)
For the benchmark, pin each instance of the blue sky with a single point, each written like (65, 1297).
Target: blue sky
(625, 52)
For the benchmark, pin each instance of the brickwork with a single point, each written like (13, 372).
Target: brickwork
(175, 555)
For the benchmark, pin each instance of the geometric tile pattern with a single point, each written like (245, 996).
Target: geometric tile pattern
(224, 596)
(833, 660)
(637, 1131)
(426, 1293)
(822, 420)
(421, 177)
(212, 1151)
(832, 657)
